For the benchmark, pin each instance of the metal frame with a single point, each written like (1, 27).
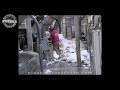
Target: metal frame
(95, 44)
(97, 51)
(38, 42)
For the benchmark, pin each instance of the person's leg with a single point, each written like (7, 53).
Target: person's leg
(56, 47)
(46, 55)
(51, 51)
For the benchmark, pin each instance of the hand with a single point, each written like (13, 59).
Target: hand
(49, 38)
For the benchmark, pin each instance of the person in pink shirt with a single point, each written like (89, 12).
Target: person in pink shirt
(55, 39)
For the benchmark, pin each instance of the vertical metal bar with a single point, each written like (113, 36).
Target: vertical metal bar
(29, 34)
(96, 54)
(77, 36)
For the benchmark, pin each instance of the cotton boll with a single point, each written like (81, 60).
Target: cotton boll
(50, 63)
(48, 71)
(55, 55)
(83, 65)
(86, 68)
(83, 58)
(88, 56)
(86, 62)
(84, 53)
(71, 50)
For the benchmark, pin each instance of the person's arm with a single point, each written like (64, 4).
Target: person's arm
(51, 37)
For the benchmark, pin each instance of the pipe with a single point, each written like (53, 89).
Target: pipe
(58, 24)
(39, 42)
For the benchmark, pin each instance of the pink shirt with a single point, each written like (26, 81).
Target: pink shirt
(54, 35)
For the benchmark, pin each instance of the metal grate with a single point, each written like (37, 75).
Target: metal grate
(28, 62)
(23, 57)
